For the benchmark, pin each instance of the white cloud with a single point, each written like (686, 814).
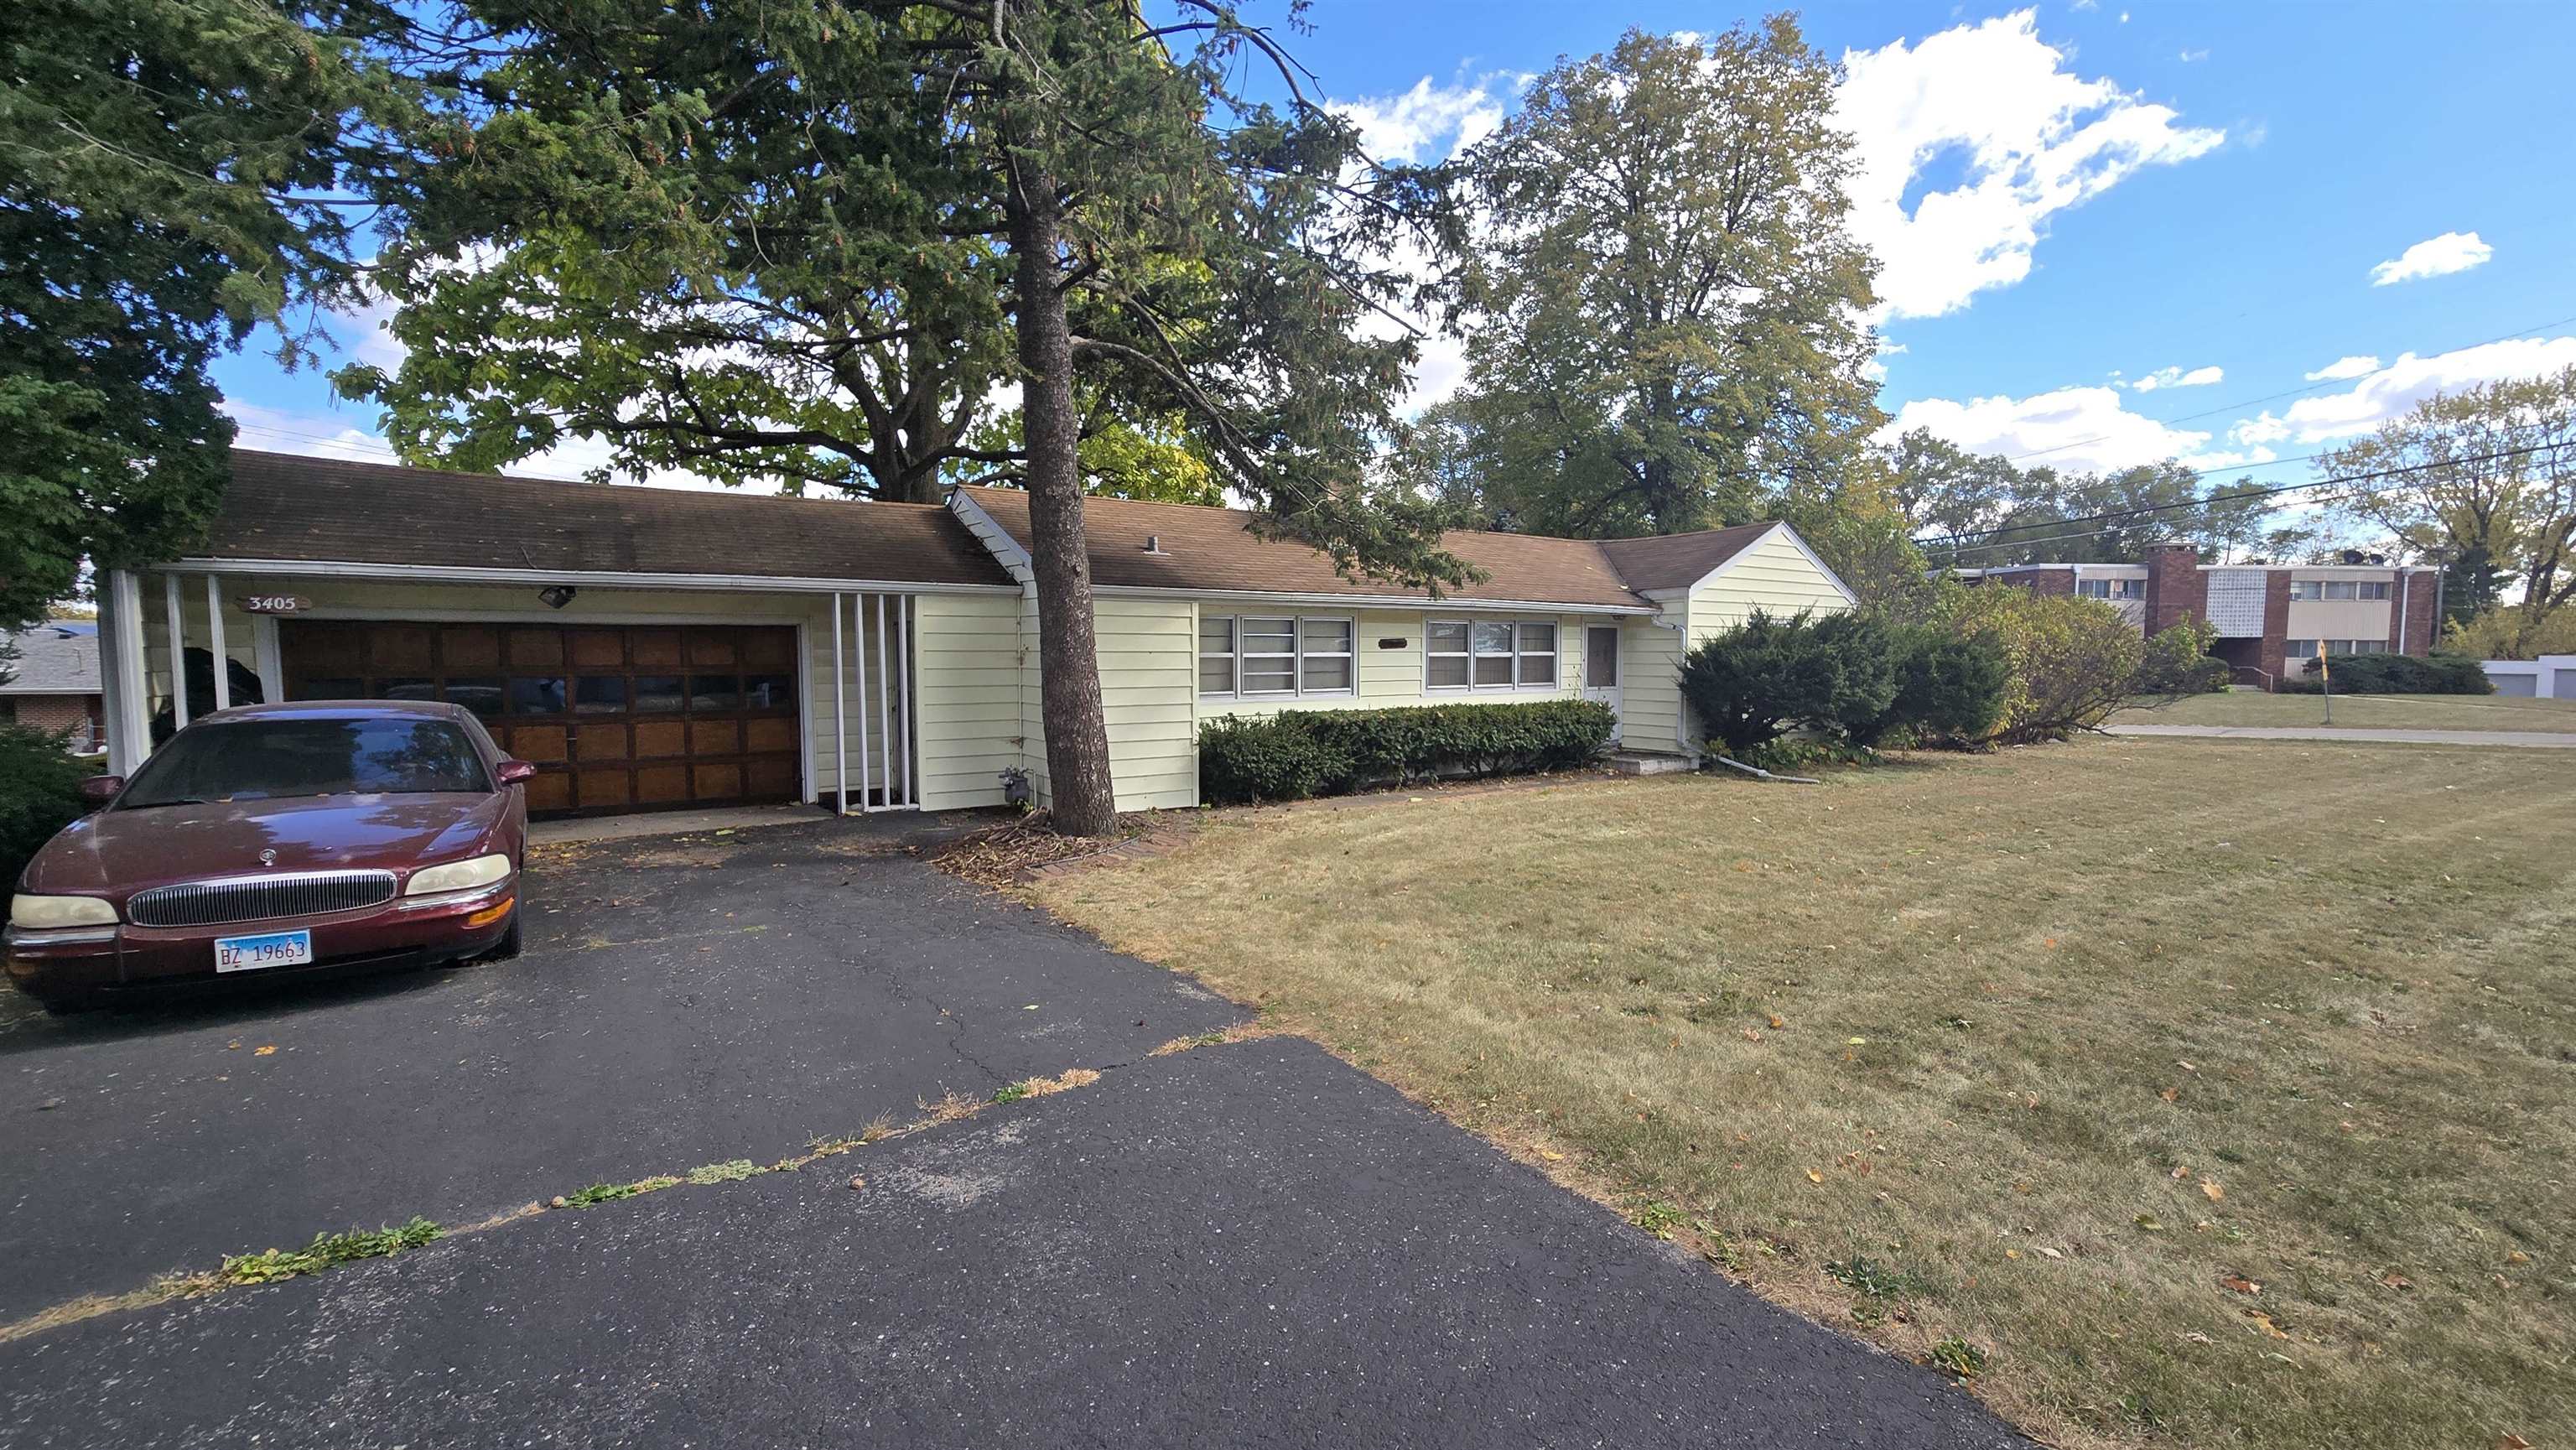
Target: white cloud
(2384, 393)
(2177, 378)
(2190, 56)
(1430, 121)
(2074, 430)
(2354, 366)
(2436, 257)
(2032, 139)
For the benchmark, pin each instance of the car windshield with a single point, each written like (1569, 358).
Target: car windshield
(272, 759)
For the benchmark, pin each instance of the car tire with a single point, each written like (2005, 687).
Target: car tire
(508, 946)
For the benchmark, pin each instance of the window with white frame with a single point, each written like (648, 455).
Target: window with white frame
(2302, 590)
(1250, 655)
(1325, 659)
(2111, 588)
(1484, 654)
(1444, 654)
(2299, 649)
(1537, 648)
(2371, 589)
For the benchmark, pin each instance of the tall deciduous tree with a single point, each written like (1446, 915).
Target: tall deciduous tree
(765, 206)
(165, 171)
(2487, 473)
(1669, 300)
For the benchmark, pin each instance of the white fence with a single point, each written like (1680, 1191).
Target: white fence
(2550, 677)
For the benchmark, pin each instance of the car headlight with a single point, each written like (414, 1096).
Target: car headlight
(458, 875)
(53, 913)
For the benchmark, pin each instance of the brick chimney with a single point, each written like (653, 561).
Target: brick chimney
(2176, 589)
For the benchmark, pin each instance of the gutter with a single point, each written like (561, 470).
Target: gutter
(603, 578)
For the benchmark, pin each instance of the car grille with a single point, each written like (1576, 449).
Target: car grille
(256, 898)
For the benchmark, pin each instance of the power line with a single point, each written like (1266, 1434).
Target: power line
(2286, 393)
(2143, 510)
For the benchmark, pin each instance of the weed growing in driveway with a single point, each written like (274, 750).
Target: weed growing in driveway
(326, 1250)
(731, 1172)
(1011, 1093)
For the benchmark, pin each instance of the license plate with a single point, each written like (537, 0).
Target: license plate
(250, 953)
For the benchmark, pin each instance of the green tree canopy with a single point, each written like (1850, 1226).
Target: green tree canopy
(169, 178)
(1667, 299)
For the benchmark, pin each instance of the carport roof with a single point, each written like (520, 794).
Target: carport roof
(289, 509)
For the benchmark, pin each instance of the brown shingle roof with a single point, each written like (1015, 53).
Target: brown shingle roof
(285, 507)
(1677, 561)
(1213, 549)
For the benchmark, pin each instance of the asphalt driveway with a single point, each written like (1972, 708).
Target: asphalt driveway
(1247, 1243)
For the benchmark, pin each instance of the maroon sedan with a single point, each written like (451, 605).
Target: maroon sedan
(275, 840)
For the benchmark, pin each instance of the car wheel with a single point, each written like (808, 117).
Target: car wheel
(508, 946)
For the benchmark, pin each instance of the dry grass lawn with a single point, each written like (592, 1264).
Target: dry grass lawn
(2375, 712)
(2218, 1094)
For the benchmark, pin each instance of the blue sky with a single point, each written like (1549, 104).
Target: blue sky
(2109, 232)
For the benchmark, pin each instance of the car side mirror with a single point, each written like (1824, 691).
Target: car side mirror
(98, 790)
(512, 772)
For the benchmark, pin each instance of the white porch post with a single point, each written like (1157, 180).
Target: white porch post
(885, 709)
(178, 653)
(215, 643)
(840, 715)
(903, 658)
(129, 713)
(859, 663)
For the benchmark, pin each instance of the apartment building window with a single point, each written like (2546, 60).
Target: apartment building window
(2337, 589)
(2306, 649)
(2304, 590)
(1261, 655)
(2111, 588)
(2299, 649)
(2372, 589)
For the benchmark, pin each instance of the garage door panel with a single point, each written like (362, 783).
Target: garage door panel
(535, 649)
(661, 737)
(615, 718)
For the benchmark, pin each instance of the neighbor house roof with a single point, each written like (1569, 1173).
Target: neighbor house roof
(319, 510)
(1214, 550)
(53, 660)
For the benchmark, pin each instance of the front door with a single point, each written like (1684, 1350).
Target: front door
(1601, 668)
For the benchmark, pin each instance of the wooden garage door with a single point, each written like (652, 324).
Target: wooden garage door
(614, 718)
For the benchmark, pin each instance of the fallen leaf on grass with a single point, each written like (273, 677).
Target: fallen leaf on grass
(2171, 1094)
(1551, 1155)
(268, 1051)
(2264, 1321)
(2212, 1191)
(1814, 1177)
(2012, 1253)
(2052, 1253)
(1752, 1036)
(2396, 1280)
(2180, 1172)
(1776, 1023)
(2195, 1337)
(2239, 1283)
(2513, 1442)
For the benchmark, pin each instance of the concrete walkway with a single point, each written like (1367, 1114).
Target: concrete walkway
(2530, 739)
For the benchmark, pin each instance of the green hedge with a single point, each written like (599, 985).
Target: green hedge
(39, 795)
(1301, 753)
(2396, 675)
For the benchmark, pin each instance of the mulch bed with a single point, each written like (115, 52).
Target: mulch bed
(1025, 849)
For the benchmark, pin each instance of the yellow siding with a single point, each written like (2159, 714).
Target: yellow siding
(1774, 576)
(1147, 671)
(967, 654)
(1650, 692)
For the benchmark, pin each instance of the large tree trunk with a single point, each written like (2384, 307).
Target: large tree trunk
(1077, 738)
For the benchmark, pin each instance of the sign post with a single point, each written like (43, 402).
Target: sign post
(2325, 678)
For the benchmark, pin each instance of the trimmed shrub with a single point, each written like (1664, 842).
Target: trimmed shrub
(39, 795)
(1948, 687)
(1769, 675)
(2387, 674)
(1301, 753)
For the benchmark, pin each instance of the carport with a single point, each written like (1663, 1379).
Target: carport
(646, 649)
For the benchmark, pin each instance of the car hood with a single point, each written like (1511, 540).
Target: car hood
(113, 852)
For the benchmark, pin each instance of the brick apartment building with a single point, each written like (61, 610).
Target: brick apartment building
(2269, 617)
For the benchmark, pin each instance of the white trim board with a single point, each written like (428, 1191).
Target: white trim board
(604, 579)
